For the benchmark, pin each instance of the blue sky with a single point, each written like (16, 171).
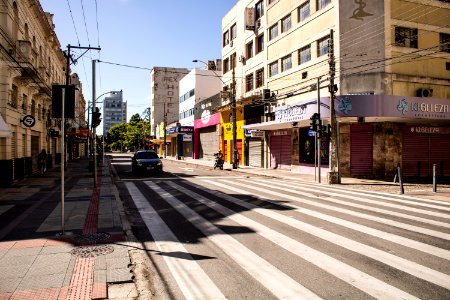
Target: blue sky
(141, 33)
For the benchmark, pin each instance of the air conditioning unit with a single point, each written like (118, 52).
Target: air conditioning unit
(231, 43)
(241, 58)
(258, 23)
(424, 92)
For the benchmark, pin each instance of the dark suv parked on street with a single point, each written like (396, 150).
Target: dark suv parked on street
(146, 161)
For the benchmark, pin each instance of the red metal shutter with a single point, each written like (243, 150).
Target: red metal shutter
(415, 154)
(361, 149)
(275, 151)
(285, 154)
(440, 154)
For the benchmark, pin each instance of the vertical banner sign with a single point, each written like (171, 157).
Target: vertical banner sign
(249, 18)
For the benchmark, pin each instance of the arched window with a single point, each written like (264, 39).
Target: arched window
(15, 22)
(39, 112)
(33, 107)
(27, 32)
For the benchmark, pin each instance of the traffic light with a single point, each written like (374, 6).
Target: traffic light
(314, 121)
(96, 117)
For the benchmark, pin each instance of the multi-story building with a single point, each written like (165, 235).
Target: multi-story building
(30, 62)
(114, 110)
(388, 61)
(195, 87)
(164, 104)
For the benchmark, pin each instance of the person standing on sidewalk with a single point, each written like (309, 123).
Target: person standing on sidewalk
(42, 160)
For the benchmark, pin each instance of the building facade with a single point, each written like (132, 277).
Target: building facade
(30, 62)
(389, 65)
(164, 106)
(114, 110)
(197, 86)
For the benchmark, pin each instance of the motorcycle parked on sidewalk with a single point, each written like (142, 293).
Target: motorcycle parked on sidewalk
(218, 162)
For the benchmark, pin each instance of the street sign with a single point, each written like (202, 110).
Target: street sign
(29, 121)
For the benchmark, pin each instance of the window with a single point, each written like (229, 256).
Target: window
(444, 40)
(249, 50)
(304, 55)
(286, 63)
(273, 32)
(260, 77)
(260, 43)
(323, 46)
(233, 31)
(259, 10)
(249, 82)
(226, 38)
(447, 66)
(322, 3)
(232, 60)
(286, 23)
(14, 96)
(273, 69)
(406, 37)
(303, 11)
(226, 65)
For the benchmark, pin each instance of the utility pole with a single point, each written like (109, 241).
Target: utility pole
(233, 111)
(333, 177)
(319, 131)
(94, 128)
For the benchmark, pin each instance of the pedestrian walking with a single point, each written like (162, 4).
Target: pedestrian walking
(42, 161)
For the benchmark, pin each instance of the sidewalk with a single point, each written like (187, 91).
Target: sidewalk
(413, 189)
(38, 262)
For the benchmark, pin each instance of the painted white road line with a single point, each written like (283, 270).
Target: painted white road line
(190, 277)
(412, 228)
(347, 273)
(366, 207)
(426, 248)
(278, 283)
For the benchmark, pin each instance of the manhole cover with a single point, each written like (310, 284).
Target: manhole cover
(92, 237)
(91, 251)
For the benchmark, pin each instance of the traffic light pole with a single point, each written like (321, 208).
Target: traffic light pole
(94, 130)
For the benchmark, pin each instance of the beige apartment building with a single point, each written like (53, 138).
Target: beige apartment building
(30, 62)
(391, 68)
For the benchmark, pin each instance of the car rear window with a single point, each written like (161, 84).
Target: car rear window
(146, 155)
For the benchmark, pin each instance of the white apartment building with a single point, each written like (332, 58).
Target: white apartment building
(114, 111)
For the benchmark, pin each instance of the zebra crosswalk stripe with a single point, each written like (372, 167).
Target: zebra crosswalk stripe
(192, 280)
(281, 285)
(349, 274)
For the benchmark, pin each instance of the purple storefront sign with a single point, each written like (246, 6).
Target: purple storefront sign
(368, 106)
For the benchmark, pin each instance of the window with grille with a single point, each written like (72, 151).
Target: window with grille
(273, 32)
(322, 3)
(249, 82)
(249, 50)
(406, 37)
(286, 63)
(273, 69)
(304, 55)
(323, 46)
(260, 43)
(303, 11)
(286, 23)
(260, 77)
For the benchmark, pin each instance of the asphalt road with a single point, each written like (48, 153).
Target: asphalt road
(212, 234)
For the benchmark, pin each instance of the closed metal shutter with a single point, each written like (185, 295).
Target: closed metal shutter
(34, 152)
(208, 142)
(280, 152)
(421, 150)
(361, 149)
(256, 152)
(440, 154)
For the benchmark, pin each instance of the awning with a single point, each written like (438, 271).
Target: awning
(271, 125)
(4, 129)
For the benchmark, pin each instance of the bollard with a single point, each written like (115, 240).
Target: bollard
(434, 178)
(400, 180)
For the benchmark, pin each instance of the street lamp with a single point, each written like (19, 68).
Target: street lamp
(233, 111)
(94, 134)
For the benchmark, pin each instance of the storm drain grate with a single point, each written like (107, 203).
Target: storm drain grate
(92, 237)
(92, 251)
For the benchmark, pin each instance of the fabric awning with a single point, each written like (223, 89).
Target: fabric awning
(271, 125)
(4, 128)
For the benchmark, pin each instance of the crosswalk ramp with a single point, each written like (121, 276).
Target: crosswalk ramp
(236, 238)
